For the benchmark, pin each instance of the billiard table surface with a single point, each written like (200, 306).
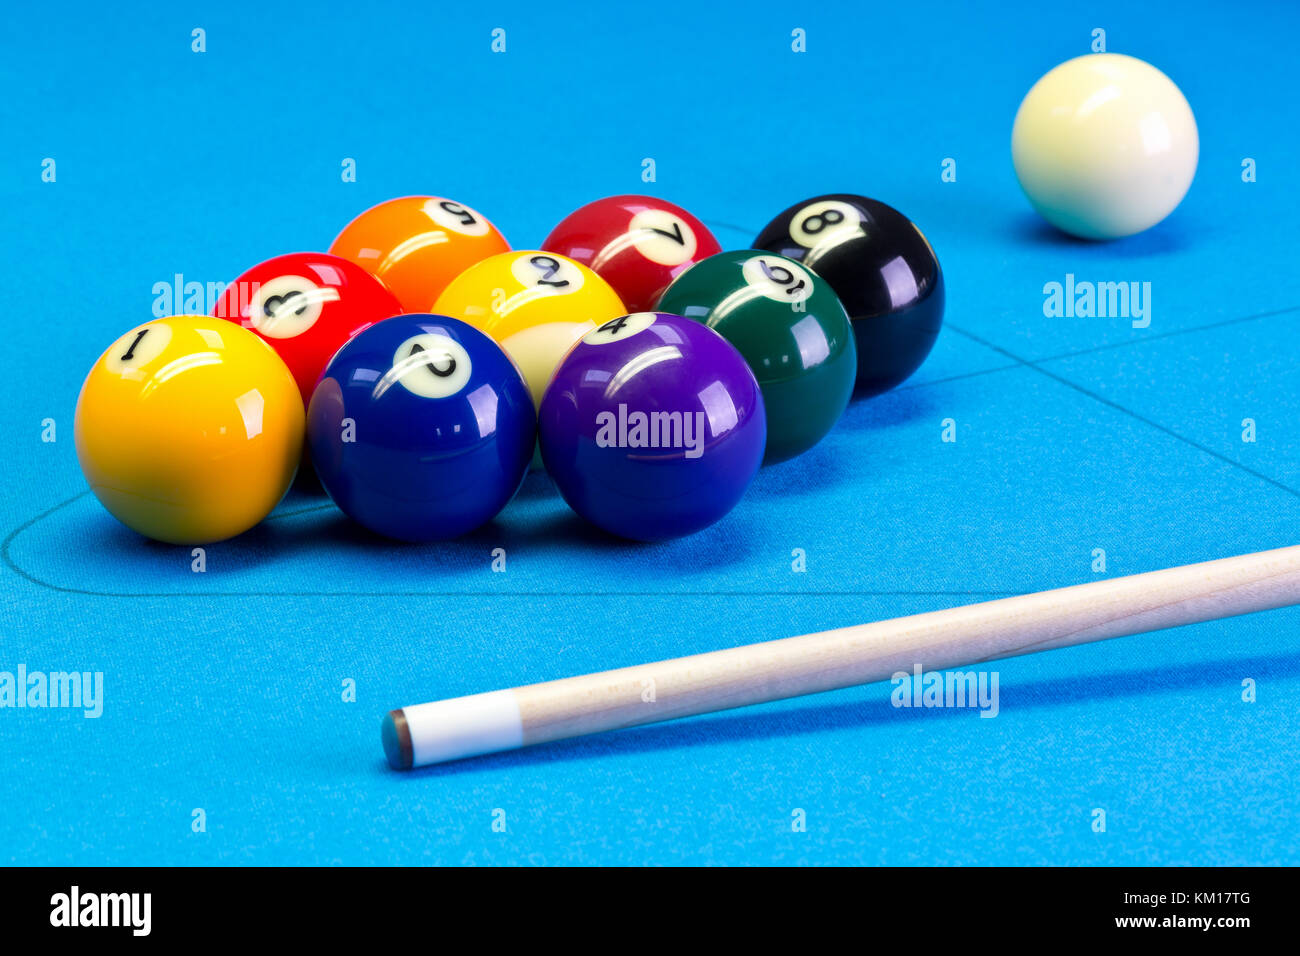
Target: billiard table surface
(229, 691)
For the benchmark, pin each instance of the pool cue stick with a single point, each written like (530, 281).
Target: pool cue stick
(830, 660)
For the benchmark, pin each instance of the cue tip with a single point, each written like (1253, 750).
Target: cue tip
(396, 736)
(443, 730)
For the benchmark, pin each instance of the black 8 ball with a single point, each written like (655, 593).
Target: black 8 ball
(883, 271)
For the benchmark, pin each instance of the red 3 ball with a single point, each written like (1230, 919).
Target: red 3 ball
(638, 244)
(307, 306)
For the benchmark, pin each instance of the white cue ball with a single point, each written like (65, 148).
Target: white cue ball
(1104, 146)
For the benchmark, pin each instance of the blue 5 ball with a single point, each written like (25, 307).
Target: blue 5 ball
(421, 428)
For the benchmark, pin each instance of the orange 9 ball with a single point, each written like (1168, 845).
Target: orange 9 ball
(418, 244)
(638, 244)
(306, 306)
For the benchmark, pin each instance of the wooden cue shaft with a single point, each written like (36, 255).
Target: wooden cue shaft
(829, 660)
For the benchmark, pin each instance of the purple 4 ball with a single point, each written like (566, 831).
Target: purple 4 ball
(652, 427)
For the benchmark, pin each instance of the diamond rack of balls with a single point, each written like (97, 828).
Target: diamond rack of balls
(421, 367)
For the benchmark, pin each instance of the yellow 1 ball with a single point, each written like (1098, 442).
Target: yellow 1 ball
(535, 305)
(189, 429)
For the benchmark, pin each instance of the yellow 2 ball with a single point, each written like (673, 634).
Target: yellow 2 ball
(189, 429)
(534, 304)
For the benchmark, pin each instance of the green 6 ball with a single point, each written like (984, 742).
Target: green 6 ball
(790, 327)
